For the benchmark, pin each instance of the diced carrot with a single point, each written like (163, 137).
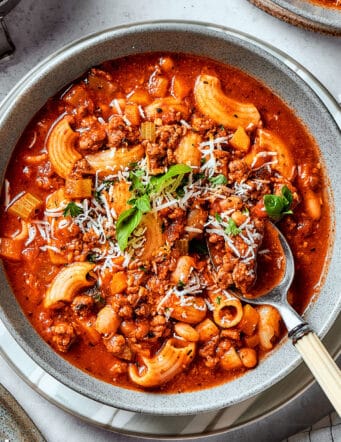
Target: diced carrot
(180, 89)
(252, 341)
(76, 96)
(132, 114)
(11, 248)
(105, 110)
(249, 320)
(139, 96)
(118, 283)
(158, 86)
(259, 210)
(240, 140)
(118, 105)
(102, 84)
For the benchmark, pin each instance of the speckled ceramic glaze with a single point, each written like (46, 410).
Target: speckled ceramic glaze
(226, 46)
(15, 425)
(6, 6)
(305, 14)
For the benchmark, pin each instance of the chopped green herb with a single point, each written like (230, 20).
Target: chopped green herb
(277, 206)
(218, 300)
(72, 209)
(167, 179)
(98, 298)
(133, 165)
(92, 257)
(97, 196)
(142, 203)
(180, 285)
(198, 176)
(143, 268)
(218, 217)
(218, 180)
(232, 228)
(246, 211)
(203, 161)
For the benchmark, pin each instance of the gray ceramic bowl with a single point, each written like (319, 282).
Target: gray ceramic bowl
(226, 46)
(305, 14)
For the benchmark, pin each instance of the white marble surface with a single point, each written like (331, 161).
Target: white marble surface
(38, 27)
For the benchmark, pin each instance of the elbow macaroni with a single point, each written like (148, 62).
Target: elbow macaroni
(61, 148)
(213, 103)
(227, 312)
(67, 283)
(174, 356)
(111, 160)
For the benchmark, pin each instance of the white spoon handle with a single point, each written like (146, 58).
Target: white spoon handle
(322, 366)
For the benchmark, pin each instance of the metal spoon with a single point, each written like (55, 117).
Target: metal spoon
(304, 339)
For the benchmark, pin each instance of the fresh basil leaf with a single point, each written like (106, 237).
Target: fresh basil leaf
(180, 191)
(142, 203)
(287, 196)
(218, 217)
(126, 224)
(277, 206)
(218, 180)
(136, 183)
(232, 228)
(72, 209)
(273, 205)
(162, 181)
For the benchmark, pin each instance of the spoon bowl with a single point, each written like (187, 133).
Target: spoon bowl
(277, 296)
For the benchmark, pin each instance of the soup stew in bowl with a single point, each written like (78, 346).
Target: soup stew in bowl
(111, 195)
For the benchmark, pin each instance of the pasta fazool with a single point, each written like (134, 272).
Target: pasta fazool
(113, 191)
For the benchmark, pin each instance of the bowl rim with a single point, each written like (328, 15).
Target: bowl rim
(325, 15)
(304, 13)
(9, 101)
